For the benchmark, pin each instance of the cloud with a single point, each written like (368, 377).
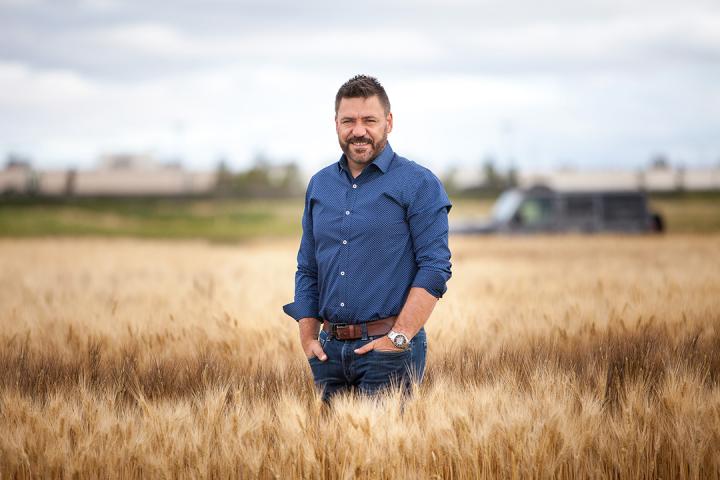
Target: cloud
(22, 87)
(141, 40)
(598, 82)
(153, 39)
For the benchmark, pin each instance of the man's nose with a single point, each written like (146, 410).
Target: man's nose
(359, 130)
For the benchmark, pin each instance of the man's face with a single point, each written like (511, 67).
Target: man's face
(362, 127)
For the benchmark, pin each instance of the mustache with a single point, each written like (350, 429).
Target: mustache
(360, 139)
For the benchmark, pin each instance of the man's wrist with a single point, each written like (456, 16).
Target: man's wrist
(399, 339)
(404, 329)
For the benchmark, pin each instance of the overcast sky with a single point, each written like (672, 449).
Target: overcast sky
(593, 84)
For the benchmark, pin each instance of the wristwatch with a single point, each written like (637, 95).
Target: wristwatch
(399, 339)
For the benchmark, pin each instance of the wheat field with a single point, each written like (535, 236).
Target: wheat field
(553, 357)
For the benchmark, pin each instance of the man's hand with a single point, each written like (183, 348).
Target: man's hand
(313, 349)
(382, 344)
(309, 329)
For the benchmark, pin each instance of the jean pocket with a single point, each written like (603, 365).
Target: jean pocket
(323, 338)
(391, 354)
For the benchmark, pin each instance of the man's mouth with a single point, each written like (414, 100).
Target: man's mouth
(360, 142)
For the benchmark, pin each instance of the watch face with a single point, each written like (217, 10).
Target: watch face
(400, 340)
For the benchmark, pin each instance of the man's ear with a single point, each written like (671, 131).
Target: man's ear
(337, 127)
(389, 120)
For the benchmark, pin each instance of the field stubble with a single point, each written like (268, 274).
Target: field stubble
(565, 357)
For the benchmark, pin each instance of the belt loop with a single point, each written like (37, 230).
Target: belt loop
(363, 328)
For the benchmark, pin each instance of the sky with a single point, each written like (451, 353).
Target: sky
(537, 85)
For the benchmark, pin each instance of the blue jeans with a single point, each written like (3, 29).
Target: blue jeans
(368, 373)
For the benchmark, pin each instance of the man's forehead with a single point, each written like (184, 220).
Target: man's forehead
(360, 106)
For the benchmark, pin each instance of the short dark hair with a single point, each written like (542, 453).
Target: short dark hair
(363, 86)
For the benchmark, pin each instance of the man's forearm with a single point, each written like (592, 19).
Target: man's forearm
(416, 311)
(309, 328)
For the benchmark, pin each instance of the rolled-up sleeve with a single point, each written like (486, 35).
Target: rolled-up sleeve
(306, 277)
(428, 219)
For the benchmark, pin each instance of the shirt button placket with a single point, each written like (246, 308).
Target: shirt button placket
(350, 200)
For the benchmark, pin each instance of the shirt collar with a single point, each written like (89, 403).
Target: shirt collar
(382, 161)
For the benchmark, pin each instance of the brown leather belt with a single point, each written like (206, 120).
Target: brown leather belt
(344, 331)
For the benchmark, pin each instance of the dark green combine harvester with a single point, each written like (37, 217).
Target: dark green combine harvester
(543, 210)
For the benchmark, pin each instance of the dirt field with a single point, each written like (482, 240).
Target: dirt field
(567, 357)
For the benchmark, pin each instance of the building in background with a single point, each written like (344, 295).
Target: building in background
(117, 175)
(651, 179)
(129, 175)
(17, 177)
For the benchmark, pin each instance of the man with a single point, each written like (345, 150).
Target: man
(374, 256)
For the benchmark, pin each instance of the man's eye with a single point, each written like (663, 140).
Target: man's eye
(345, 122)
(370, 120)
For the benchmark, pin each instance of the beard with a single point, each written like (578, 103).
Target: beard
(365, 154)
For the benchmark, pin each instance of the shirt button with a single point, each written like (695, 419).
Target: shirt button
(342, 273)
(354, 185)
(342, 304)
(347, 212)
(344, 242)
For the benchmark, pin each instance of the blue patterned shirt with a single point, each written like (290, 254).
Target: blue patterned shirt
(367, 240)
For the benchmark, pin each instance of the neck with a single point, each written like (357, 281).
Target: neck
(355, 172)
(357, 168)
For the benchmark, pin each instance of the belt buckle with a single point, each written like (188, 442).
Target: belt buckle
(334, 328)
